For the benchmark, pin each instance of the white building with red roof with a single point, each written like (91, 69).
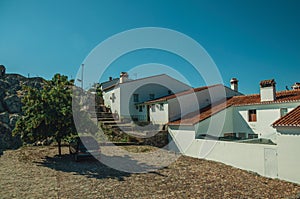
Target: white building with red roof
(125, 97)
(259, 132)
(182, 103)
(290, 123)
(241, 117)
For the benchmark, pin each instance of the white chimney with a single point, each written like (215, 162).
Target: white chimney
(234, 84)
(296, 86)
(123, 77)
(267, 90)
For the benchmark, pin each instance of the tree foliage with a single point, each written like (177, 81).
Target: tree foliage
(47, 113)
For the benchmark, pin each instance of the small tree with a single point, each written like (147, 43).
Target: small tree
(47, 112)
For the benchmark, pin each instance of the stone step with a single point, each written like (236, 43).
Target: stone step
(116, 123)
(104, 115)
(104, 119)
(102, 108)
(123, 127)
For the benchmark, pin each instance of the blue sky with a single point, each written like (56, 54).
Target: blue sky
(250, 40)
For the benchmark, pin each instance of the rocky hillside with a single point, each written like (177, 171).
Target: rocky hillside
(10, 105)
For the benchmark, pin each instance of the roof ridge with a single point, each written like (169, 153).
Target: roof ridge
(284, 118)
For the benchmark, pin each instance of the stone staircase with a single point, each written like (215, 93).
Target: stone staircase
(131, 131)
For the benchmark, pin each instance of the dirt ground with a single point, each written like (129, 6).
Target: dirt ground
(37, 172)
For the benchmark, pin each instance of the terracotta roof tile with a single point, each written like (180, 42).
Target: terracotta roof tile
(290, 119)
(243, 100)
(202, 114)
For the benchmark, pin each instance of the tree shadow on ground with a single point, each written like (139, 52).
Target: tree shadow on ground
(93, 168)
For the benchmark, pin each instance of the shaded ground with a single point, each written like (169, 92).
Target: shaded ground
(35, 172)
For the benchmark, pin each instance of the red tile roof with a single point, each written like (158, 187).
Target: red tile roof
(243, 100)
(193, 90)
(290, 119)
(202, 114)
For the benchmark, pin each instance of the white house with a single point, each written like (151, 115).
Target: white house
(290, 123)
(249, 116)
(124, 96)
(271, 115)
(173, 107)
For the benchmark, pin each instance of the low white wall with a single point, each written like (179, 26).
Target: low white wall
(276, 161)
(244, 156)
(289, 157)
(182, 137)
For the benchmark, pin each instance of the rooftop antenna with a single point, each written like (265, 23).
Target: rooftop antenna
(287, 88)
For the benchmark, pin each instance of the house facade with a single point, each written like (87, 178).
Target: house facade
(242, 117)
(289, 124)
(125, 98)
(173, 107)
(271, 117)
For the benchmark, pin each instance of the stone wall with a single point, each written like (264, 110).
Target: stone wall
(160, 139)
(11, 94)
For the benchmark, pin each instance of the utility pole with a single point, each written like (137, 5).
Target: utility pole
(82, 68)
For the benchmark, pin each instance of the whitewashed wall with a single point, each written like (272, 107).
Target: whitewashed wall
(113, 104)
(163, 84)
(159, 116)
(216, 125)
(289, 130)
(182, 105)
(266, 115)
(289, 157)
(276, 161)
(235, 120)
(106, 95)
(182, 137)
(240, 155)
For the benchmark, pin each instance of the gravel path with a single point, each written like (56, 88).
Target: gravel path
(35, 172)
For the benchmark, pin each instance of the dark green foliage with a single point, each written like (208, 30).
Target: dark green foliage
(48, 112)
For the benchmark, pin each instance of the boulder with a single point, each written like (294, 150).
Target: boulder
(4, 84)
(13, 104)
(4, 118)
(5, 136)
(13, 120)
(11, 80)
(2, 93)
(1, 107)
(35, 82)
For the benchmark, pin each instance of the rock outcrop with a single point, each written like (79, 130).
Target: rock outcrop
(11, 94)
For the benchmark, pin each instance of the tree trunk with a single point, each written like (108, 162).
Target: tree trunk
(59, 147)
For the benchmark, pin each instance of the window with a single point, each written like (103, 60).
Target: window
(151, 96)
(113, 97)
(252, 136)
(252, 115)
(136, 107)
(140, 109)
(283, 112)
(161, 107)
(229, 134)
(135, 97)
(153, 108)
(242, 136)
